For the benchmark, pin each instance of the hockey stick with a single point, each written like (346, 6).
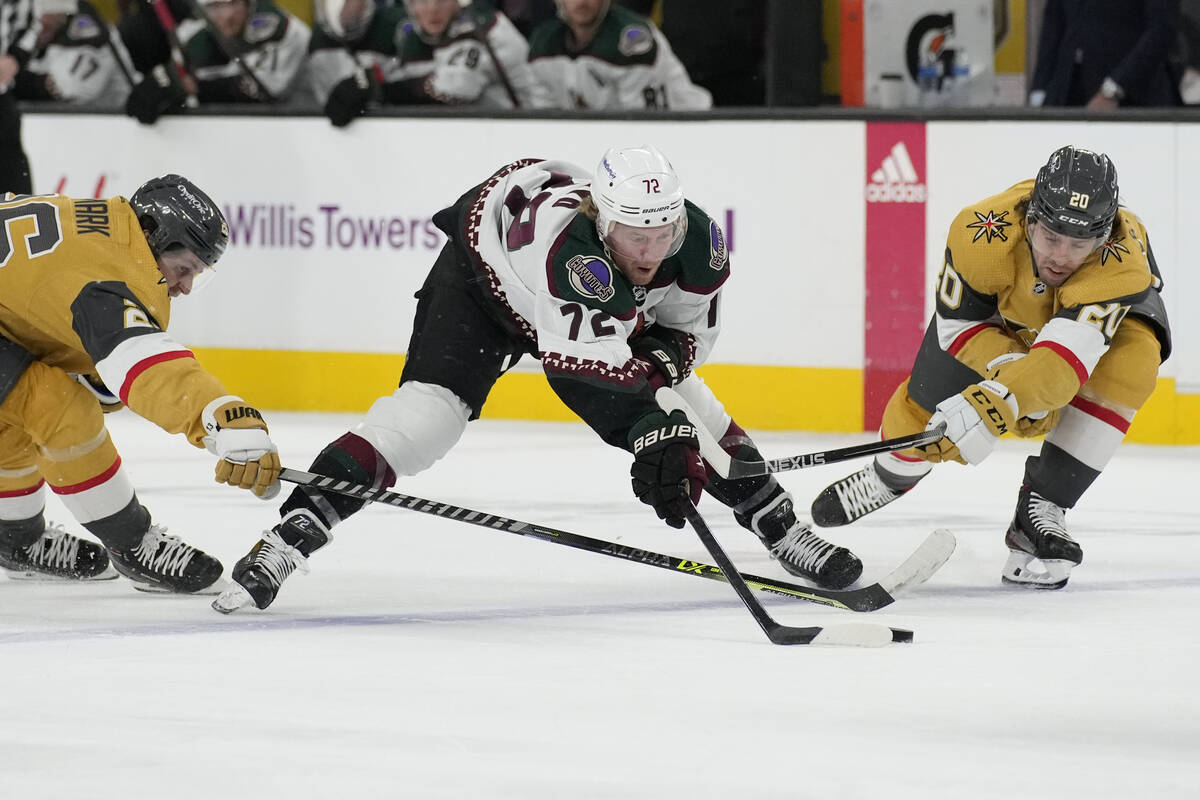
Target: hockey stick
(500, 71)
(167, 21)
(862, 634)
(729, 467)
(227, 49)
(916, 569)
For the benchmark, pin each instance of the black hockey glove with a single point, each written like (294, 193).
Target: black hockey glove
(667, 470)
(658, 348)
(158, 94)
(349, 99)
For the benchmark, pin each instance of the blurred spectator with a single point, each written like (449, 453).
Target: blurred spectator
(18, 30)
(151, 32)
(526, 14)
(597, 55)
(249, 51)
(455, 52)
(143, 34)
(1106, 53)
(722, 46)
(354, 52)
(77, 57)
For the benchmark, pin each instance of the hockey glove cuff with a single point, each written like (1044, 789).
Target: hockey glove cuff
(974, 419)
(667, 473)
(238, 436)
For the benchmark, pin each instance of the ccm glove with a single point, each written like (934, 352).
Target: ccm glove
(974, 419)
(238, 436)
(158, 94)
(667, 470)
(348, 99)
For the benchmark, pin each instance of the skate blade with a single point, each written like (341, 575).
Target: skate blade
(1018, 571)
(32, 576)
(217, 587)
(232, 599)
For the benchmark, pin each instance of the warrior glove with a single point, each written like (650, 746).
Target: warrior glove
(668, 473)
(238, 436)
(974, 420)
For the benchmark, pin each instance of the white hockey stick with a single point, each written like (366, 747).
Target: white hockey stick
(727, 466)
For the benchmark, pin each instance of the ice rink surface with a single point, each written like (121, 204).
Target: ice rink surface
(427, 658)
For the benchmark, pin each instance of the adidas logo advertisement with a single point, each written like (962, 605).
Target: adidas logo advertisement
(896, 180)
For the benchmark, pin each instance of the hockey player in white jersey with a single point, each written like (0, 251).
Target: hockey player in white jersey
(613, 280)
(75, 56)
(458, 52)
(269, 42)
(600, 56)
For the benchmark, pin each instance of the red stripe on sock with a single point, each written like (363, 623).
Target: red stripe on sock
(1105, 415)
(91, 483)
(22, 492)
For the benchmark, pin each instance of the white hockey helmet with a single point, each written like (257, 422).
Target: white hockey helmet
(345, 25)
(638, 187)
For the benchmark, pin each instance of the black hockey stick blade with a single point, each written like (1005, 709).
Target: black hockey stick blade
(861, 634)
(919, 566)
(729, 467)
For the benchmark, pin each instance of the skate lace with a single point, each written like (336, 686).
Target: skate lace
(163, 553)
(279, 559)
(802, 547)
(1048, 518)
(55, 548)
(863, 492)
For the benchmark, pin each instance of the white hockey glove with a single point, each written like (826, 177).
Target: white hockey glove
(974, 419)
(238, 436)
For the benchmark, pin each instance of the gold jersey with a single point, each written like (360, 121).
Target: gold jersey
(989, 289)
(80, 290)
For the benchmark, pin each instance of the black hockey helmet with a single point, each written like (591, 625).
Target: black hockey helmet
(1075, 193)
(175, 213)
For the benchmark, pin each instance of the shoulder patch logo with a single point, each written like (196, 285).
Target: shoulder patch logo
(1114, 248)
(635, 40)
(591, 276)
(262, 27)
(82, 27)
(991, 225)
(718, 253)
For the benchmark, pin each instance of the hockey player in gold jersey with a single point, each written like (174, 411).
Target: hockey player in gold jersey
(85, 292)
(1048, 321)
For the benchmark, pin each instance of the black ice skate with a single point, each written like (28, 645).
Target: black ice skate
(57, 555)
(285, 548)
(853, 497)
(163, 563)
(1039, 533)
(797, 549)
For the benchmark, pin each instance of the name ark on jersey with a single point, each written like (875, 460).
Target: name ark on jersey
(329, 227)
